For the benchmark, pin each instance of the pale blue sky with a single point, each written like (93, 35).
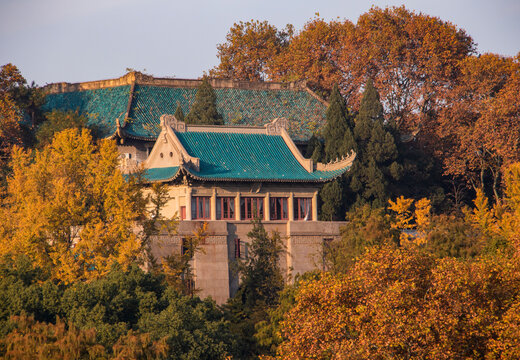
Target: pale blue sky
(83, 40)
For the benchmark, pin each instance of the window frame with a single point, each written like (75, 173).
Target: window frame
(273, 208)
(247, 203)
(307, 202)
(205, 200)
(231, 208)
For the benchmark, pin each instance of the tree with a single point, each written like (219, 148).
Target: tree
(71, 211)
(337, 132)
(125, 314)
(204, 108)
(179, 114)
(339, 142)
(261, 283)
(366, 227)
(10, 113)
(479, 124)
(57, 121)
(312, 54)
(250, 50)
(375, 165)
(177, 268)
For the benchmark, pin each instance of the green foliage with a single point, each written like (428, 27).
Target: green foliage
(366, 227)
(337, 132)
(125, 310)
(262, 282)
(204, 108)
(332, 199)
(451, 236)
(179, 114)
(57, 121)
(376, 164)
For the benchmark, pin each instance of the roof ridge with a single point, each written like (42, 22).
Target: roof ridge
(135, 77)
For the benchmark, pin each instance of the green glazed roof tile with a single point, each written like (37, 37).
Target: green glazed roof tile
(237, 106)
(158, 174)
(254, 157)
(101, 106)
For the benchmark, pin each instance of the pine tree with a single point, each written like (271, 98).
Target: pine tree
(179, 114)
(204, 108)
(339, 142)
(337, 132)
(376, 159)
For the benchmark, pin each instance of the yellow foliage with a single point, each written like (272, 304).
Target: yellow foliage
(70, 210)
(403, 213)
(422, 213)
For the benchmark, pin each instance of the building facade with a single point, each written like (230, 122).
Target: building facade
(226, 176)
(219, 175)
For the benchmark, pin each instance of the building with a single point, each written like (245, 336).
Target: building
(222, 175)
(226, 176)
(128, 108)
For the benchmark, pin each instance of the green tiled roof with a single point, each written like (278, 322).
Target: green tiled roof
(237, 106)
(101, 106)
(157, 174)
(230, 156)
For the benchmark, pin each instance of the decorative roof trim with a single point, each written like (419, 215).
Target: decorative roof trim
(193, 176)
(135, 77)
(338, 164)
(307, 164)
(129, 105)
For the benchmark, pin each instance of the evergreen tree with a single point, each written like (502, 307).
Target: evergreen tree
(204, 108)
(337, 132)
(262, 281)
(376, 159)
(179, 114)
(339, 142)
(331, 195)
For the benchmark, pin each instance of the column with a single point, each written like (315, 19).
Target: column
(315, 206)
(291, 206)
(188, 204)
(213, 205)
(237, 207)
(266, 207)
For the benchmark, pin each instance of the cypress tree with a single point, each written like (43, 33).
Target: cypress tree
(337, 132)
(179, 114)
(376, 160)
(339, 142)
(204, 108)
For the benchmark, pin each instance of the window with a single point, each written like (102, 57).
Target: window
(303, 209)
(240, 249)
(200, 207)
(225, 208)
(251, 207)
(278, 208)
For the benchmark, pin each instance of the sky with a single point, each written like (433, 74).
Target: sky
(85, 40)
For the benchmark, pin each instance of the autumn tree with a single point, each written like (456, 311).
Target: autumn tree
(70, 209)
(311, 55)
(479, 124)
(204, 108)
(249, 50)
(424, 308)
(10, 114)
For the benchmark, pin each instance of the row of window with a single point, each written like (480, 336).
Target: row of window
(251, 207)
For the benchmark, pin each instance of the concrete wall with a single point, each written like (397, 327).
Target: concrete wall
(213, 268)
